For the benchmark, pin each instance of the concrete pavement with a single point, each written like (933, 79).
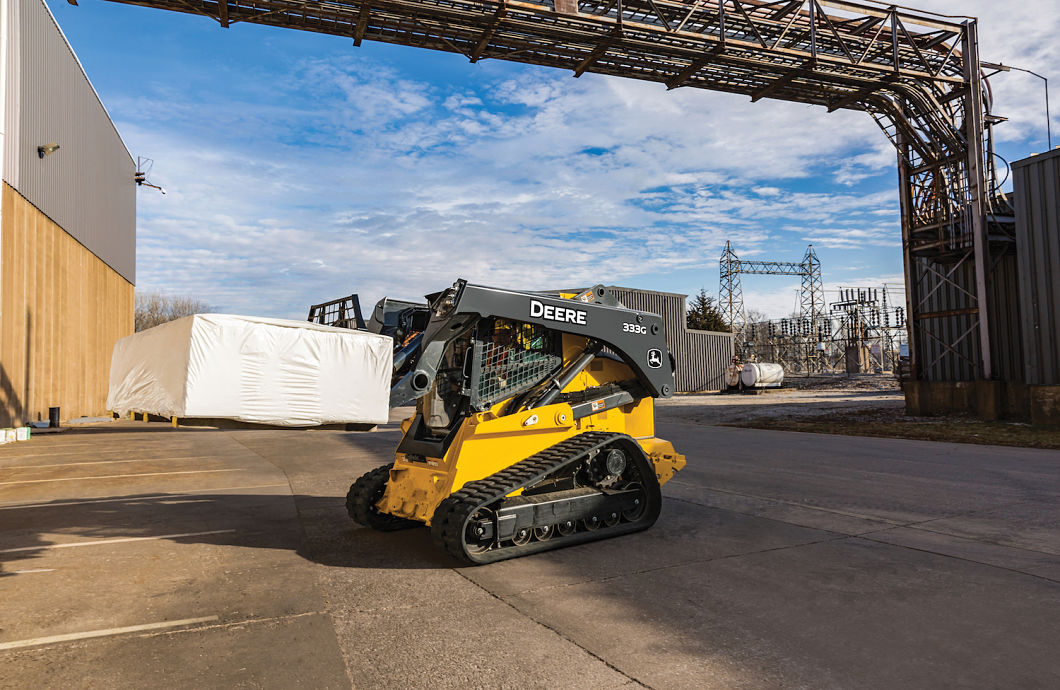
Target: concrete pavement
(780, 560)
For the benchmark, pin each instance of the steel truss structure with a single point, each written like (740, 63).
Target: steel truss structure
(811, 294)
(916, 73)
(862, 332)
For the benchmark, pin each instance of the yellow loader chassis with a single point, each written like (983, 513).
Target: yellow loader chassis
(486, 444)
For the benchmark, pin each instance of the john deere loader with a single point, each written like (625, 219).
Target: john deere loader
(534, 426)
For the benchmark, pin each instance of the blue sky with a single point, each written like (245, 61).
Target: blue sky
(299, 168)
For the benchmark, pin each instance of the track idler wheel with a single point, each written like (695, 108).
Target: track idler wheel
(634, 514)
(474, 541)
(365, 493)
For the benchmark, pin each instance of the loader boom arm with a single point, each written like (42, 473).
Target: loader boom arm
(638, 338)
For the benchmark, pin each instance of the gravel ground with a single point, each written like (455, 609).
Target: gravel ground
(846, 383)
(856, 406)
(716, 408)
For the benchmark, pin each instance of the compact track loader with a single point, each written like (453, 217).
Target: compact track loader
(534, 425)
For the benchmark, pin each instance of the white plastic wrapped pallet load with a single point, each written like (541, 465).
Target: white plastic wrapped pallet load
(249, 369)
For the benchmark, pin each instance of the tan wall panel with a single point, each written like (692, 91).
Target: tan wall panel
(62, 311)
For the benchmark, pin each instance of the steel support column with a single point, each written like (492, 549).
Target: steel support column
(973, 120)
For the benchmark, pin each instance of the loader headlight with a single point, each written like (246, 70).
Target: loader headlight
(446, 304)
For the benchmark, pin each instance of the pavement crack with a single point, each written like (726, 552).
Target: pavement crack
(694, 561)
(961, 558)
(308, 545)
(919, 525)
(777, 501)
(555, 631)
(759, 516)
(984, 541)
(236, 624)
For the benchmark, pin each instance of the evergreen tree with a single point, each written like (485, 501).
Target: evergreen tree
(704, 314)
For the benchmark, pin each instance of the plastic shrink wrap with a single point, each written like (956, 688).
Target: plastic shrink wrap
(264, 371)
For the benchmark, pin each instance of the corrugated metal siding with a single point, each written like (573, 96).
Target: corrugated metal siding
(1036, 187)
(935, 362)
(701, 356)
(86, 186)
(938, 363)
(670, 307)
(1006, 340)
(12, 91)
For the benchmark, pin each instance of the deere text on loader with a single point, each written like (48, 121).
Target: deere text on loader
(534, 425)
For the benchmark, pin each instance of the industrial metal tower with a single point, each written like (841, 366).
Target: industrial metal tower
(811, 295)
(731, 295)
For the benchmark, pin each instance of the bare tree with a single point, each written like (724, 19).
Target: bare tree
(756, 316)
(154, 308)
(757, 330)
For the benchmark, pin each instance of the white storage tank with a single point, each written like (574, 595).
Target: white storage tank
(762, 375)
(732, 375)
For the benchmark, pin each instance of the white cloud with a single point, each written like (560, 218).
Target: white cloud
(598, 177)
(1021, 34)
(350, 175)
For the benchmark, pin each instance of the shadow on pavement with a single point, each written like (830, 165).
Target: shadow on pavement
(324, 533)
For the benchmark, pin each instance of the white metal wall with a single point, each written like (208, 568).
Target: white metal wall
(87, 185)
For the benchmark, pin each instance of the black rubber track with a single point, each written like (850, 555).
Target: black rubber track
(365, 493)
(449, 524)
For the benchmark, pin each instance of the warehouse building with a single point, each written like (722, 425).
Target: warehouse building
(700, 356)
(67, 226)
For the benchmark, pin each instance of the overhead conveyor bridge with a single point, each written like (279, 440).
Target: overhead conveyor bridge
(916, 73)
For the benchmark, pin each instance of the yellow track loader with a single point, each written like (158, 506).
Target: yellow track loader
(534, 426)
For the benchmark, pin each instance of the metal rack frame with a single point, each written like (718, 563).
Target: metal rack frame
(916, 73)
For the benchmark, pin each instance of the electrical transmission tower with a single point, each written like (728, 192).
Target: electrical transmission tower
(731, 296)
(811, 295)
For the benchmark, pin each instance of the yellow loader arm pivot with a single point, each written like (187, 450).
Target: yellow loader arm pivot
(534, 425)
